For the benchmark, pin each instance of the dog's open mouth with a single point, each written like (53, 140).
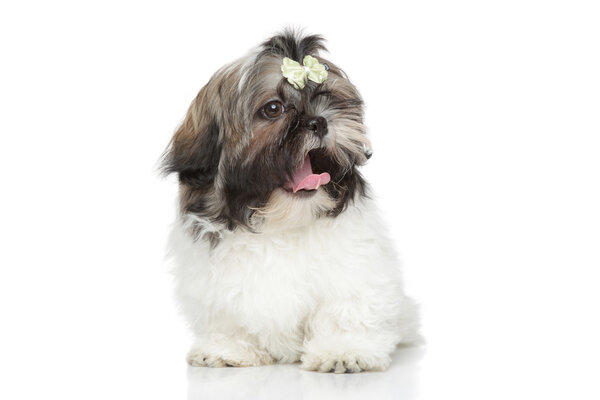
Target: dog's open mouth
(306, 179)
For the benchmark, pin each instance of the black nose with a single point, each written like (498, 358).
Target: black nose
(318, 125)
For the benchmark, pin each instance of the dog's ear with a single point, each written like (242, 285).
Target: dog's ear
(195, 150)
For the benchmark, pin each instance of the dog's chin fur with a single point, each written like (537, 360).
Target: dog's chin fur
(265, 275)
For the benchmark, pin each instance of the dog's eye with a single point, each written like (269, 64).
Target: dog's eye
(273, 109)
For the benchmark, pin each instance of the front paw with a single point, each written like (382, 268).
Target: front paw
(199, 357)
(342, 363)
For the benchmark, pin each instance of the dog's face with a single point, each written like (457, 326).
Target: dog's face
(255, 152)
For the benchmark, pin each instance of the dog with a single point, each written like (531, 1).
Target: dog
(279, 253)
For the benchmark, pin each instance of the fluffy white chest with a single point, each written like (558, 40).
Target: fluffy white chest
(265, 279)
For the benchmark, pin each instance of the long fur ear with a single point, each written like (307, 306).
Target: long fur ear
(195, 149)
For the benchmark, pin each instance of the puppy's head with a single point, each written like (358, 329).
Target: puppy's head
(256, 152)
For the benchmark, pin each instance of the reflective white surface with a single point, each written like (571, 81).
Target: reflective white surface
(290, 382)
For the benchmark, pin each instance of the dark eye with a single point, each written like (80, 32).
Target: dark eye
(273, 109)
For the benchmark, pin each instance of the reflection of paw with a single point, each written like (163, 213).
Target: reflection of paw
(343, 363)
(200, 358)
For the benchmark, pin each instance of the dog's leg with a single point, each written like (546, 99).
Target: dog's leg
(231, 350)
(351, 336)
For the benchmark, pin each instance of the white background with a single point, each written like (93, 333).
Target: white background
(485, 118)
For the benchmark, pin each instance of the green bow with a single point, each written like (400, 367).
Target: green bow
(297, 74)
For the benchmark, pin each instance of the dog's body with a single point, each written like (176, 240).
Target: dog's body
(273, 262)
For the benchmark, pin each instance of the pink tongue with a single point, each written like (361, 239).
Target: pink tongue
(304, 179)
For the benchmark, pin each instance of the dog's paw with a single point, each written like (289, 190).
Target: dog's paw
(202, 358)
(342, 363)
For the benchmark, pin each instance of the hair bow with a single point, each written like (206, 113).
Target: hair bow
(297, 74)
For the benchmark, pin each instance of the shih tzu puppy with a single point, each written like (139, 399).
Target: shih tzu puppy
(279, 253)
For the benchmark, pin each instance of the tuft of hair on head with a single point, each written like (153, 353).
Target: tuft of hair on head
(294, 44)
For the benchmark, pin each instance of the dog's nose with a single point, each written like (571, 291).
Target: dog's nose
(318, 125)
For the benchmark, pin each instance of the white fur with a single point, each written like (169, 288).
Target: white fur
(327, 293)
